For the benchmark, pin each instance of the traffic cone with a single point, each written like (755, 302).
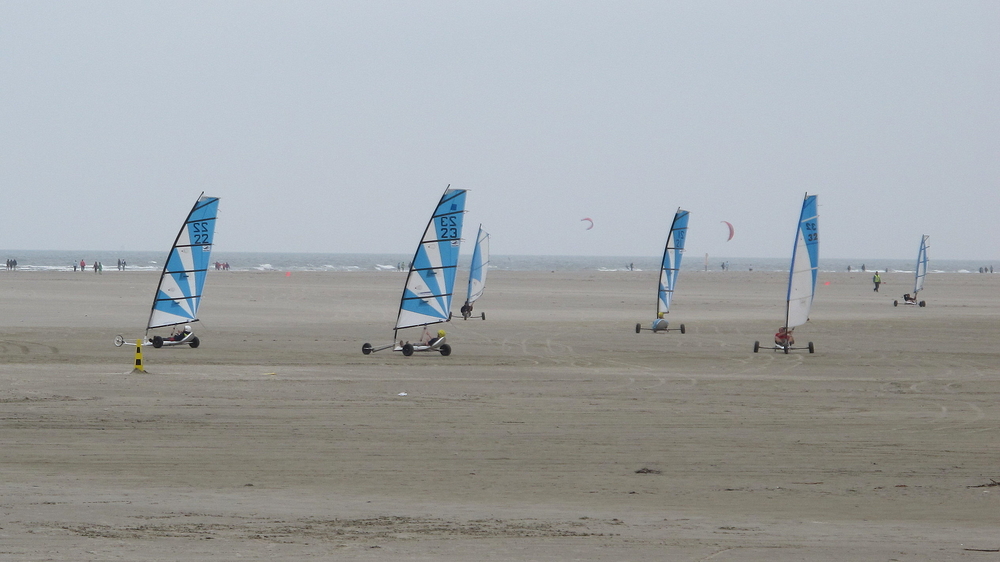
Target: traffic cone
(138, 357)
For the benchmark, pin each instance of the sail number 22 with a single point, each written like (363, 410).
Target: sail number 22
(201, 233)
(448, 227)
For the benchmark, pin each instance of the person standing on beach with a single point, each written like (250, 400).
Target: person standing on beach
(83, 265)
(877, 279)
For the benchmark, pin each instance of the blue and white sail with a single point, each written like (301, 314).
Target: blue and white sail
(671, 264)
(805, 265)
(431, 279)
(921, 271)
(178, 294)
(480, 265)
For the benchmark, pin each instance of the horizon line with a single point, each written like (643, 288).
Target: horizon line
(651, 256)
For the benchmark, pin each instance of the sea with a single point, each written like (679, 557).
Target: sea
(58, 260)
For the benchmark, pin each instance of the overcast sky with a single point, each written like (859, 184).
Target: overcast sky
(335, 126)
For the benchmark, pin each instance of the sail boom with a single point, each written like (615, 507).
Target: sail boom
(187, 321)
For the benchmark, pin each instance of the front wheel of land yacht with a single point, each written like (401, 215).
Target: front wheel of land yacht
(407, 349)
(445, 350)
(756, 346)
(895, 303)
(682, 329)
(811, 348)
(119, 341)
(923, 304)
(157, 342)
(195, 342)
(366, 348)
(638, 328)
(786, 349)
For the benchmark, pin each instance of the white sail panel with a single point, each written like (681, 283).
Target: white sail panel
(479, 267)
(921, 270)
(800, 288)
(665, 293)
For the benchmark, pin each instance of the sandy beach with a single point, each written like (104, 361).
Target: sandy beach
(553, 431)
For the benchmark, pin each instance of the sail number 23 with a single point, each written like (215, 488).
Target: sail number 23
(201, 233)
(448, 227)
(811, 234)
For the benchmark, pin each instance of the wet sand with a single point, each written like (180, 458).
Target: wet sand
(553, 431)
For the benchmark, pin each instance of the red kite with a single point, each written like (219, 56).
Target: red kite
(731, 230)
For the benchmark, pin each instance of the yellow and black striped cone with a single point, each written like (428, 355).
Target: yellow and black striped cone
(138, 357)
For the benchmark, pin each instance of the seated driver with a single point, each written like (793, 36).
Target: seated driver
(467, 309)
(439, 337)
(908, 298)
(660, 323)
(784, 337)
(179, 334)
(427, 339)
